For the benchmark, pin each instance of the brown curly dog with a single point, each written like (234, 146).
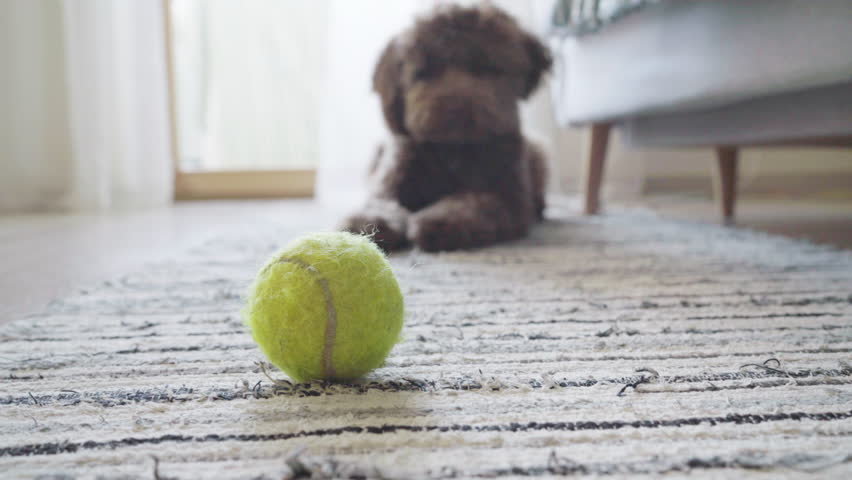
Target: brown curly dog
(457, 173)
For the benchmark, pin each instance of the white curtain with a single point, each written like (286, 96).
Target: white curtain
(84, 116)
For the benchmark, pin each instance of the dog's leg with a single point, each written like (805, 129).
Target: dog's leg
(385, 220)
(535, 160)
(466, 220)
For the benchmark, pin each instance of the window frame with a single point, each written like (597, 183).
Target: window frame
(224, 184)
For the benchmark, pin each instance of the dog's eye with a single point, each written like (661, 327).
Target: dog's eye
(483, 70)
(420, 73)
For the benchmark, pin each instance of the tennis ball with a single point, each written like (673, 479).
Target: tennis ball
(327, 306)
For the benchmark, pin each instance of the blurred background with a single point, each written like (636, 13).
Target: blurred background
(260, 85)
(131, 109)
(93, 92)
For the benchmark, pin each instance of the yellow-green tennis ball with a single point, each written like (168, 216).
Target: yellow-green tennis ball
(327, 306)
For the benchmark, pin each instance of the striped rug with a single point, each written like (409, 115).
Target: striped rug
(619, 345)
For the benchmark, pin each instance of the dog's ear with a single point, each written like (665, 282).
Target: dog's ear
(387, 82)
(540, 63)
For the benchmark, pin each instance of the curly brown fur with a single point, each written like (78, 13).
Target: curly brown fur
(457, 173)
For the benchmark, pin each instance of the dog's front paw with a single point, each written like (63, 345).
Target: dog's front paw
(379, 229)
(435, 234)
(430, 236)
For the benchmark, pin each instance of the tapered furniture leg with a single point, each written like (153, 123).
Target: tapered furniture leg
(726, 158)
(595, 167)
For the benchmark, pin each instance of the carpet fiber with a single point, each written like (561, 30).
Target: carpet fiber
(624, 344)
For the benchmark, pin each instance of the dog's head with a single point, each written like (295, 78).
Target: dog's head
(457, 75)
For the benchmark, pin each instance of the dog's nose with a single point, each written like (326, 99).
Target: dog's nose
(456, 112)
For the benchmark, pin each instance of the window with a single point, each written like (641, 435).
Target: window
(245, 82)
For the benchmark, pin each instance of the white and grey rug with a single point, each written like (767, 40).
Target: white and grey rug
(625, 344)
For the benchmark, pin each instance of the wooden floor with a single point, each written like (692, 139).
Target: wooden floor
(824, 220)
(46, 256)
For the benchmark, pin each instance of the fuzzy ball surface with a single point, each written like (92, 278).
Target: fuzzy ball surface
(327, 306)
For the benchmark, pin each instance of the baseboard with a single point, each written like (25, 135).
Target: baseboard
(794, 184)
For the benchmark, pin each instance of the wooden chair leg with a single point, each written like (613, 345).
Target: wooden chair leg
(595, 167)
(726, 158)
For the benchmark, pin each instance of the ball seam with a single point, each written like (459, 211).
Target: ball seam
(331, 313)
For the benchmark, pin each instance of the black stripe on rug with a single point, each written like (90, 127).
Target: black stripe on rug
(801, 462)
(53, 448)
(182, 394)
